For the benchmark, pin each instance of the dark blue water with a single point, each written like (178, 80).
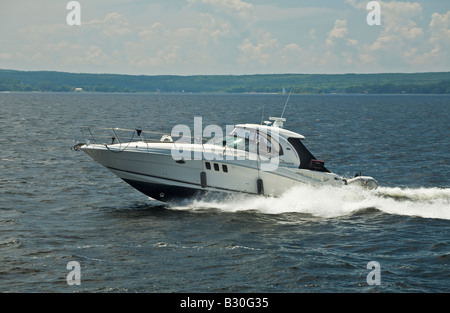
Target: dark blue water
(58, 205)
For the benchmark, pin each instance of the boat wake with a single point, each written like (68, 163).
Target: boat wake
(329, 202)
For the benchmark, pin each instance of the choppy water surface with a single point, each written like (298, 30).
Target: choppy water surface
(57, 205)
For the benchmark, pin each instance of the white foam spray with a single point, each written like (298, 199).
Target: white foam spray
(329, 202)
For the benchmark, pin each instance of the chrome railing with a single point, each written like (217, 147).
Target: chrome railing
(109, 136)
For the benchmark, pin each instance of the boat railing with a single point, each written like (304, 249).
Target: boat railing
(124, 137)
(109, 136)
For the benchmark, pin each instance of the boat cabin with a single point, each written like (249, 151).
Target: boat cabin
(272, 141)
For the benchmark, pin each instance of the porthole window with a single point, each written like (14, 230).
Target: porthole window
(225, 168)
(208, 165)
(216, 167)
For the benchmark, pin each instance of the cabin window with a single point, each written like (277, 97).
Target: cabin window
(254, 141)
(216, 167)
(269, 147)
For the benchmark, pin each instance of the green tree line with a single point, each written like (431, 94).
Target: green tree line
(416, 83)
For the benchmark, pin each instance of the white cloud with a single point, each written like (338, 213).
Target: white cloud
(160, 48)
(339, 30)
(227, 37)
(404, 42)
(291, 51)
(213, 28)
(357, 4)
(260, 53)
(239, 7)
(6, 56)
(95, 55)
(398, 27)
(114, 24)
(440, 27)
(439, 43)
(352, 42)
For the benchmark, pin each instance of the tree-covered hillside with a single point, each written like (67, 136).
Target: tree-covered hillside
(416, 83)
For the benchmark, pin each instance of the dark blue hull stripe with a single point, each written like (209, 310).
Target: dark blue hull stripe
(164, 192)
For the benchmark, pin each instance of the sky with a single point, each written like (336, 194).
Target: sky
(225, 37)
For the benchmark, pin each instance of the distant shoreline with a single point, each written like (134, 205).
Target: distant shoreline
(221, 93)
(389, 83)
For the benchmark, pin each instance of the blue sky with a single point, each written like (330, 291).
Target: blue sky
(192, 37)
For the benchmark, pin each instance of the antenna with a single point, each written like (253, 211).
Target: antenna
(286, 103)
(264, 109)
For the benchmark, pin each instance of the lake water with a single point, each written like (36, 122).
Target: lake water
(58, 205)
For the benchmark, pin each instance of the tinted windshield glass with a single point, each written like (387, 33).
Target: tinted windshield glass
(253, 141)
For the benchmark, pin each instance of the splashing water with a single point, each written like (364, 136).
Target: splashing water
(329, 202)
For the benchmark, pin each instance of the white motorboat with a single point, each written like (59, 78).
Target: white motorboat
(252, 159)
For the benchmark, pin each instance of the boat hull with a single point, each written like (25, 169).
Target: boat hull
(162, 192)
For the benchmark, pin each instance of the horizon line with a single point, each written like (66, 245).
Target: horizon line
(192, 75)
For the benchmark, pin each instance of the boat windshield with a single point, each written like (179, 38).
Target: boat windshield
(253, 141)
(235, 142)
